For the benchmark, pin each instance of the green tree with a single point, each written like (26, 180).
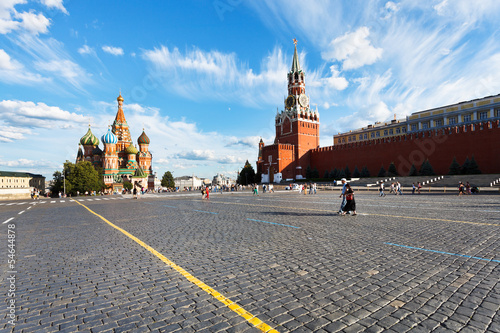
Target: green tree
(326, 175)
(473, 167)
(454, 167)
(247, 174)
(364, 172)
(356, 173)
(168, 180)
(347, 172)
(341, 174)
(128, 186)
(381, 173)
(413, 171)
(426, 169)
(82, 177)
(465, 167)
(334, 174)
(315, 173)
(308, 172)
(57, 184)
(392, 171)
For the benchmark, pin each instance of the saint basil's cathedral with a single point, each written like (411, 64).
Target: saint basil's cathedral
(120, 161)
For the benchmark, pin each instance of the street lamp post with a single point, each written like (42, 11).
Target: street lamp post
(64, 178)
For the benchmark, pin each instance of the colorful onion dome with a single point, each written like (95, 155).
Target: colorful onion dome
(89, 139)
(143, 139)
(109, 138)
(140, 173)
(120, 98)
(131, 150)
(97, 151)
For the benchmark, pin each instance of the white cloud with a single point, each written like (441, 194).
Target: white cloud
(354, 49)
(221, 76)
(113, 50)
(12, 133)
(85, 49)
(58, 4)
(22, 162)
(11, 71)
(34, 23)
(19, 115)
(66, 69)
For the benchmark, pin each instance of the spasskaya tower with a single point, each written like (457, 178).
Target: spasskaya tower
(297, 132)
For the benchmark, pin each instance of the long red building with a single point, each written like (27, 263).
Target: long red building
(460, 131)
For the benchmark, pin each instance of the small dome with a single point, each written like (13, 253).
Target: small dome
(109, 138)
(89, 139)
(143, 139)
(120, 98)
(131, 150)
(97, 151)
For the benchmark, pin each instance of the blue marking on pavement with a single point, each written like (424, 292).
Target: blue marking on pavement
(203, 211)
(442, 252)
(283, 225)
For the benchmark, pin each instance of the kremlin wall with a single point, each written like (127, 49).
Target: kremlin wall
(463, 130)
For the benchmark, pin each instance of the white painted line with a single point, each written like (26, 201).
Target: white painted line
(20, 212)
(8, 220)
(52, 201)
(97, 199)
(61, 201)
(10, 204)
(105, 199)
(90, 199)
(29, 207)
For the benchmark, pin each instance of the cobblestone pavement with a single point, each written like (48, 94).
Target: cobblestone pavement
(413, 262)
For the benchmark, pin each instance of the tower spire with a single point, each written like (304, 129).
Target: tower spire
(295, 63)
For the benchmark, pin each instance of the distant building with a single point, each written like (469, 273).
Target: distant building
(120, 160)
(221, 180)
(18, 185)
(192, 182)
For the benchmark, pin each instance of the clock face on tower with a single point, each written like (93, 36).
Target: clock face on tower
(290, 101)
(303, 100)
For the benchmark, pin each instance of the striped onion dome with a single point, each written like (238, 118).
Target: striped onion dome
(109, 138)
(89, 139)
(143, 139)
(131, 150)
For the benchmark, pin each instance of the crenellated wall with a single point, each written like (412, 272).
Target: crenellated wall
(438, 146)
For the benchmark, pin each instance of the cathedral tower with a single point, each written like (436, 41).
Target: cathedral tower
(144, 156)
(121, 130)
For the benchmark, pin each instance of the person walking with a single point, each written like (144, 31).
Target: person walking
(342, 195)
(381, 189)
(350, 205)
(413, 188)
(419, 186)
(398, 188)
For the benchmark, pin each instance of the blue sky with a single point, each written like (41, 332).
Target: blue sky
(204, 78)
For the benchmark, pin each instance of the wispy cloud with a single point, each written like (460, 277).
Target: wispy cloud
(57, 4)
(113, 50)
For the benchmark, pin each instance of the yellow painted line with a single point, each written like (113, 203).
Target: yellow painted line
(226, 301)
(325, 210)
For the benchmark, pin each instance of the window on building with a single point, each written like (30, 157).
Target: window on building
(349, 139)
(385, 132)
(413, 127)
(452, 120)
(467, 118)
(438, 122)
(361, 136)
(498, 113)
(377, 134)
(483, 115)
(372, 134)
(425, 125)
(403, 129)
(398, 130)
(365, 136)
(391, 131)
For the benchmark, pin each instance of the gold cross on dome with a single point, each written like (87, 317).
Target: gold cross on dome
(295, 42)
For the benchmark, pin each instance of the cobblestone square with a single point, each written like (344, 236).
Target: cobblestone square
(244, 263)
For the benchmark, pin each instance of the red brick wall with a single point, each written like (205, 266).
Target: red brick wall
(410, 149)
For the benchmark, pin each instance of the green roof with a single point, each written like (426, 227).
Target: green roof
(18, 174)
